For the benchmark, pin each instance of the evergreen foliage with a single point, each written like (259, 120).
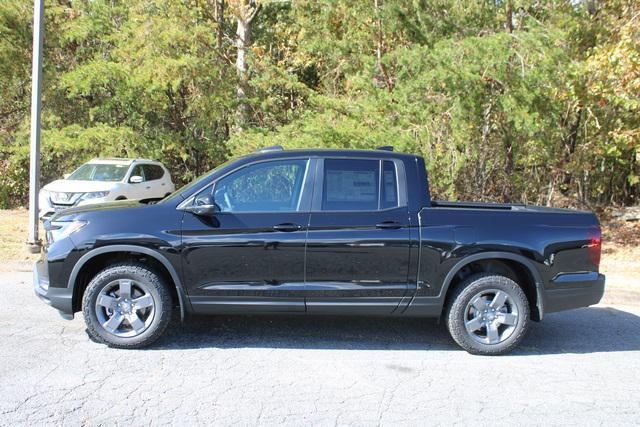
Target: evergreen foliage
(508, 100)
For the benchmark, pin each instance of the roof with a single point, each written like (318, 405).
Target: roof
(120, 160)
(271, 152)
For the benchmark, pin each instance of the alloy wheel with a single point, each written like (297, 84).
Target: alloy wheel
(491, 316)
(125, 308)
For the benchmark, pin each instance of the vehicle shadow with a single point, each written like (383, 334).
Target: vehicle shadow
(586, 330)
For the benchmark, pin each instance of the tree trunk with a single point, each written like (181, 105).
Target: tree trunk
(243, 34)
(570, 144)
(220, 22)
(507, 192)
(510, 16)
(245, 14)
(384, 77)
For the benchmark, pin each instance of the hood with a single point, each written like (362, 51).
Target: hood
(110, 207)
(73, 186)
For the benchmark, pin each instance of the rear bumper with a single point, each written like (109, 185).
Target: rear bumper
(574, 290)
(58, 298)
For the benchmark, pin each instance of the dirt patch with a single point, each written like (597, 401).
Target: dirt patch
(13, 236)
(621, 253)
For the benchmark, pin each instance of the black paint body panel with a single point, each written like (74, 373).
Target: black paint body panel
(352, 262)
(339, 262)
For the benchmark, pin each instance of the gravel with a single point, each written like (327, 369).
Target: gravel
(578, 367)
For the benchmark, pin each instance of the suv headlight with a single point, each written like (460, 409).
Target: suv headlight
(94, 195)
(57, 230)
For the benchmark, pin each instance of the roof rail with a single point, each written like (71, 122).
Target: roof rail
(269, 149)
(385, 148)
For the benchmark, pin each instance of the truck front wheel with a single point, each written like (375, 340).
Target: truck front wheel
(488, 314)
(127, 305)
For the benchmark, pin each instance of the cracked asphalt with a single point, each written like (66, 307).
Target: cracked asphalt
(578, 367)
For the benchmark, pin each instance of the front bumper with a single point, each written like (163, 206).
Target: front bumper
(48, 211)
(58, 298)
(574, 290)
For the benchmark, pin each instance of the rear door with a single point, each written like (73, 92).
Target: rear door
(155, 184)
(358, 239)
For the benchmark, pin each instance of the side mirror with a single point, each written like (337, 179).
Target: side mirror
(202, 210)
(136, 179)
(66, 175)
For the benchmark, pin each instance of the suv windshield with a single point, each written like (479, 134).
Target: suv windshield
(99, 172)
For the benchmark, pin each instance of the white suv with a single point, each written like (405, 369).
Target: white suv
(104, 180)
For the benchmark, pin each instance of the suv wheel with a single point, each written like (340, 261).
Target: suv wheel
(126, 306)
(488, 314)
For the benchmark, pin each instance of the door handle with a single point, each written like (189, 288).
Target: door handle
(389, 225)
(287, 227)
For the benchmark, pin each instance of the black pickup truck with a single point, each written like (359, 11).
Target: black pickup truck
(319, 232)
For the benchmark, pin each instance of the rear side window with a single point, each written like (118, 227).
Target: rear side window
(359, 185)
(153, 172)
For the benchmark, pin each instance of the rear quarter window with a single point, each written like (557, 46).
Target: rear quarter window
(153, 172)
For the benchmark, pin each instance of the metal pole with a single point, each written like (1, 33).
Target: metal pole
(34, 243)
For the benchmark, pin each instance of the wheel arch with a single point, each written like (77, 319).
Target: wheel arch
(521, 264)
(84, 264)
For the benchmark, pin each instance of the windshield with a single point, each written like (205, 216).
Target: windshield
(99, 172)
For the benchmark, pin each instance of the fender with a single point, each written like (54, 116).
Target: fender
(182, 299)
(537, 278)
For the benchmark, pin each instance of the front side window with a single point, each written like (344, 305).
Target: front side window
(138, 170)
(99, 172)
(274, 186)
(359, 185)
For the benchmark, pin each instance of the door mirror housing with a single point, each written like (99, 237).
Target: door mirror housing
(202, 210)
(204, 205)
(136, 179)
(66, 175)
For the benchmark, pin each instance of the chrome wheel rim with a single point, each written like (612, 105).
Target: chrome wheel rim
(491, 316)
(125, 308)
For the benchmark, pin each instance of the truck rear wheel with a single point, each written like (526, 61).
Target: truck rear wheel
(488, 314)
(126, 305)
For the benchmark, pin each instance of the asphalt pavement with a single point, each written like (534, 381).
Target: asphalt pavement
(577, 367)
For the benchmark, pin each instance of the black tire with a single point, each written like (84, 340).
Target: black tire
(457, 312)
(141, 275)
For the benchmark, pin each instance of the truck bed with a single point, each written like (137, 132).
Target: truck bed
(499, 206)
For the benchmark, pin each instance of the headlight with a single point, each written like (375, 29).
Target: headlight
(57, 230)
(94, 195)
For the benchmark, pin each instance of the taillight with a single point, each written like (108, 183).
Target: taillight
(595, 246)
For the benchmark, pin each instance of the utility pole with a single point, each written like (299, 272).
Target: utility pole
(33, 242)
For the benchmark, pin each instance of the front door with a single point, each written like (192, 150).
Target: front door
(249, 256)
(358, 240)
(138, 190)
